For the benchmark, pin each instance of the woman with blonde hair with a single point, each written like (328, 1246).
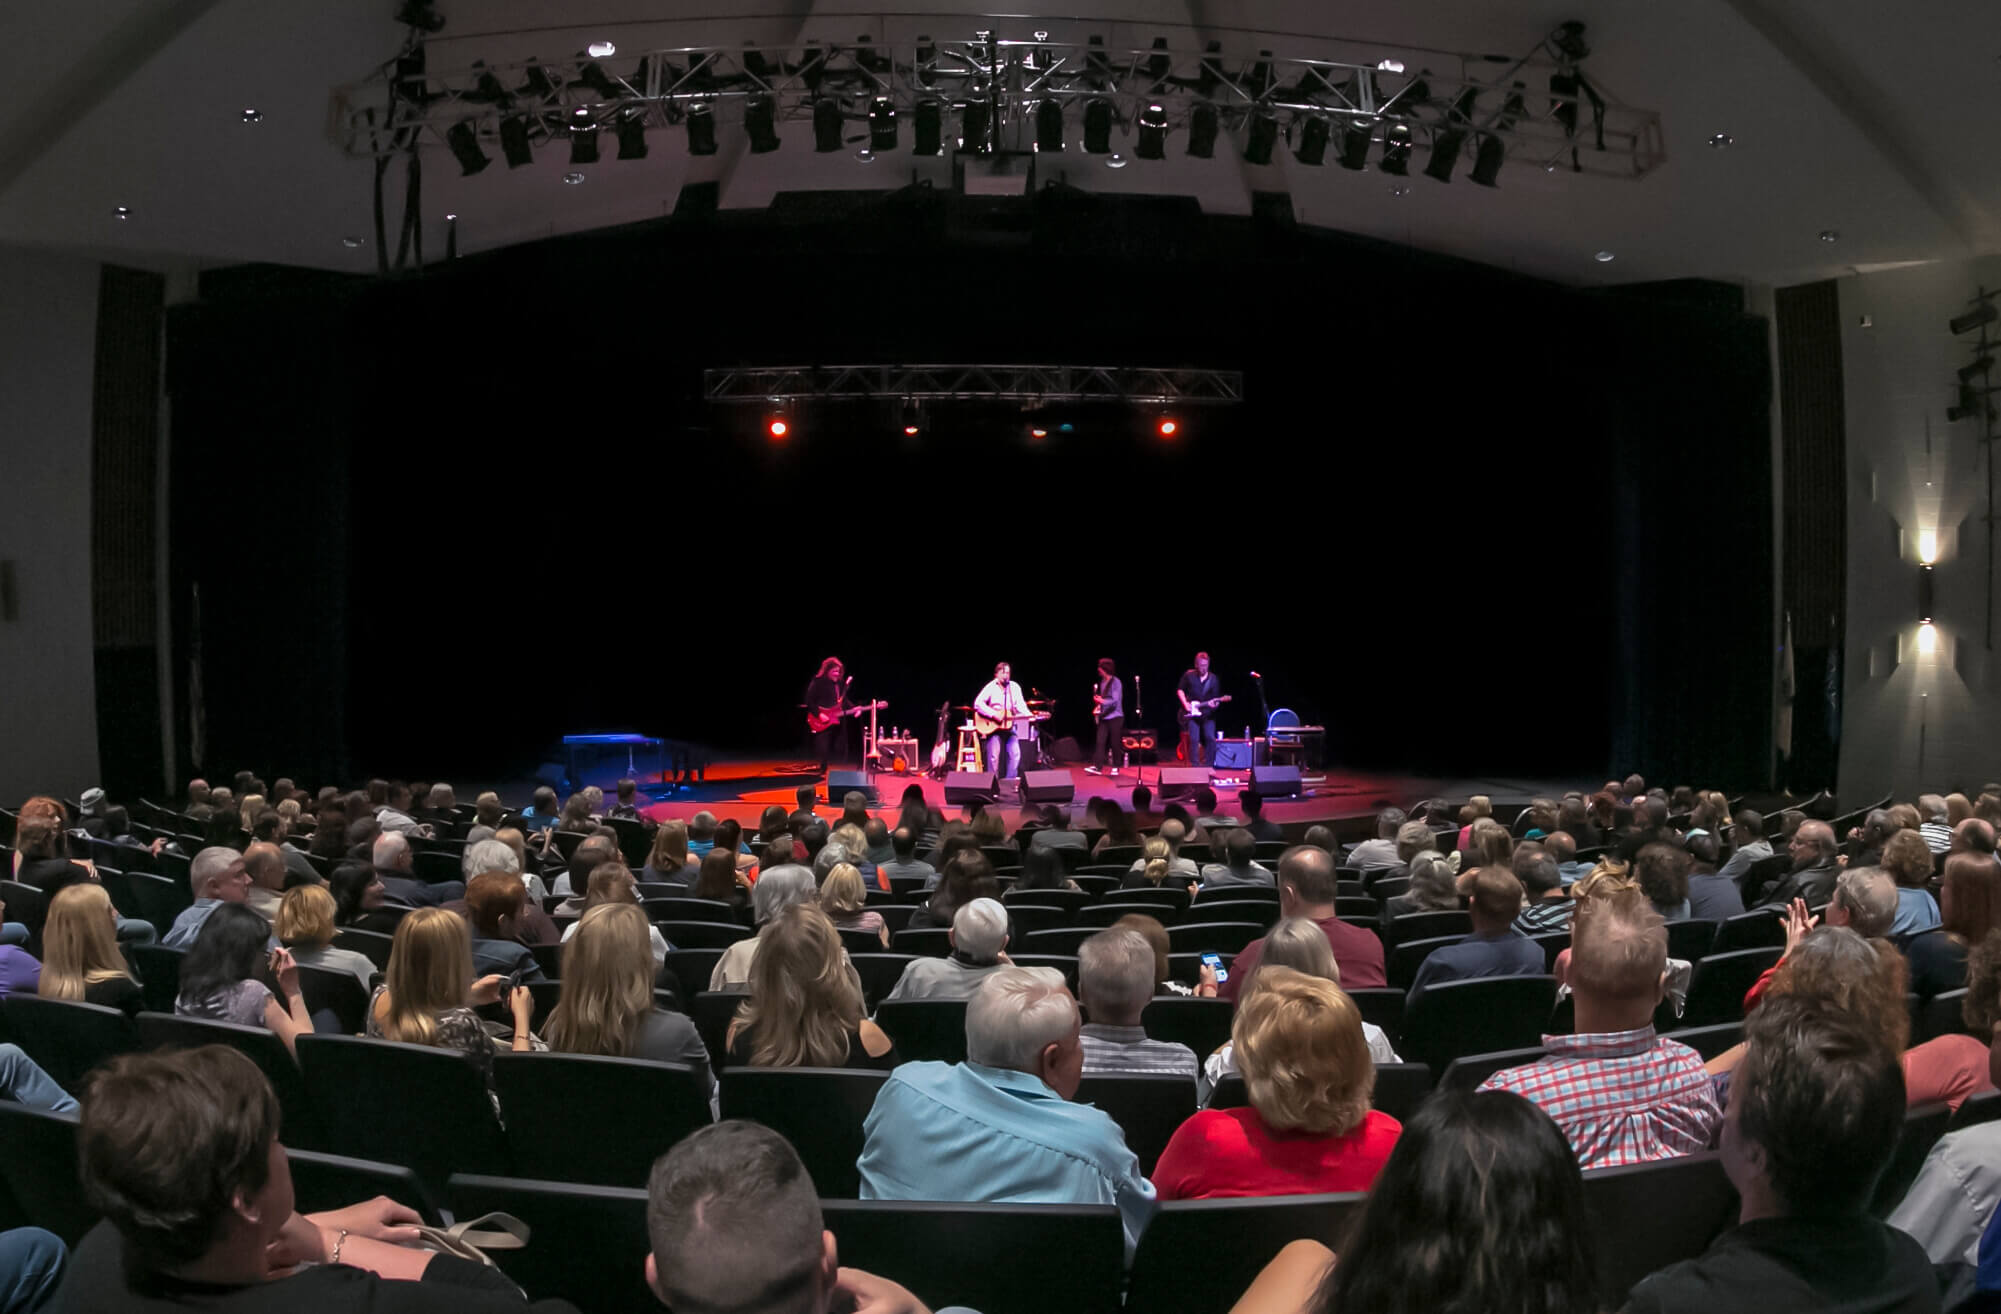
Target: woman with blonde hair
(805, 1005)
(306, 927)
(990, 828)
(611, 882)
(1156, 862)
(1297, 943)
(669, 861)
(247, 814)
(607, 1004)
(80, 957)
(845, 901)
(1309, 1129)
(429, 993)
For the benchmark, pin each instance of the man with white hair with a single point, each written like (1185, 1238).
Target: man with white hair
(497, 855)
(775, 891)
(978, 936)
(395, 864)
(1000, 1128)
(1115, 977)
(217, 876)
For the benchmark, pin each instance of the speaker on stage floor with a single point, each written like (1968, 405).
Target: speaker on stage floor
(1047, 787)
(964, 787)
(1181, 782)
(1275, 781)
(1232, 754)
(840, 783)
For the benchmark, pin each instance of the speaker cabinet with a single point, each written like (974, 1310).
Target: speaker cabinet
(964, 787)
(841, 783)
(1232, 754)
(1181, 782)
(1047, 787)
(1275, 781)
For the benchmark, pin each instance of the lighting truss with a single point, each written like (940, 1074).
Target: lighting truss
(1025, 383)
(1574, 126)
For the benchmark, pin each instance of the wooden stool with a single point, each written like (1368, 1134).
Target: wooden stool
(968, 755)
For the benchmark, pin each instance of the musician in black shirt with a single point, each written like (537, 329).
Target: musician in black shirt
(1109, 711)
(826, 697)
(1199, 692)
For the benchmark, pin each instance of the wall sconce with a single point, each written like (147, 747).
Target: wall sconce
(1927, 639)
(1924, 595)
(1927, 546)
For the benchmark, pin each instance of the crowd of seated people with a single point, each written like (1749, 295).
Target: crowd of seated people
(1906, 901)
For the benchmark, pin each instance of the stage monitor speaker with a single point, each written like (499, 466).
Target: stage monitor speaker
(1182, 782)
(840, 783)
(1232, 754)
(1047, 787)
(1275, 781)
(964, 787)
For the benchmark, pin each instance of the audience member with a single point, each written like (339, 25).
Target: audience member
(1814, 867)
(1298, 944)
(80, 956)
(1712, 896)
(1263, 831)
(1546, 906)
(1115, 980)
(1143, 815)
(1155, 935)
(607, 1006)
(1865, 899)
(220, 977)
(1381, 852)
(265, 866)
(612, 882)
(1934, 828)
(1434, 887)
(775, 891)
(1172, 834)
(1307, 887)
(591, 852)
(216, 877)
(1055, 832)
(1969, 903)
(845, 901)
(1308, 1129)
(305, 926)
(1813, 1118)
(1748, 845)
(395, 864)
(966, 875)
(1953, 1197)
(1620, 1093)
(805, 1005)
(733, 1223)
(979, 938)
(1662, 871)
(1909, 860)
(716, 877)
(361, 900)
(494, 902)
(903, 862)
(1238, 866)
(1494, 948)
(428, 994)
(1000, 1127)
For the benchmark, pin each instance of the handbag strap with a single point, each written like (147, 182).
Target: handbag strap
(492, 1231)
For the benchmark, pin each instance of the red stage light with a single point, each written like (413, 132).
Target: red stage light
(778, 428)
(1169, 428)
(910, 431)
(1038, 433)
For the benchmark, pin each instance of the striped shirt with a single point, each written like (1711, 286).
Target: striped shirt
(1110, 1049)
(1621, 1097)
(1545, 915)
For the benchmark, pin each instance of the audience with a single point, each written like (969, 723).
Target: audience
(716, 877)
(80, 956)
(217, 877)
(805, 1005)
(611, 883)
(1237, 867)
(1000, 1127)
(1909, 860)
(1494, 948)
(1434, 887)
(1297, 944)
(904, 863)
(1155, 935)
(494, 902)
(1172, 833)
(607, 1005)
(361, 899)
(1307, 887)
(1969, 902)
(1620, 1093)
(1547, 906)
(775, 891)
(1381, 852)
(220, 977)
(428, 994)
(265, 866)
(844, 899)
(965, 876)
(1814, 867)
(1115, 982)
(1712, 896)
(1662, 871)
(395, 862)
(979, 938)
(305, 926)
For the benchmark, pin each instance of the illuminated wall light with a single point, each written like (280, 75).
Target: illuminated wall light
(777, 427)
(1927, 547)
(1927, 639)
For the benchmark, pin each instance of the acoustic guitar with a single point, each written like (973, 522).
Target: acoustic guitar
(986, 725)
(941, 748)
(819, 718)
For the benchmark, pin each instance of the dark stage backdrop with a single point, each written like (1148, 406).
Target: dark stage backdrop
(438, 521)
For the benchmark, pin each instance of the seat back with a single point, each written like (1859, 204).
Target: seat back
(1064, 963)
(1690, 938)
(264, 1048)
(435, 867)
(589, 1241)
(680, 908)
(1717, 985)
(860, 942)
(979, 1255)
(1147, 1107)
(1469, 1070)
(159, 971)
(1258, 912)
(323, 1182)
(368, 1092)
(1407, 956)
(1650, 1215)
(161, 899)
(1400, 1088)
(704, 935)
(1101, 915)
(1758, 929)
(67, 1039)
(692, 968)
(1382, 1005)
(332, 990)
(1941, 1015)
(1070, 900)
(1027, 918)
(1984, 1106)
(1922, 1128)
(39, 1165)
(1426, 925)
(1203, 1254)
(926, 941)
(819, 1110)
(1479, 1016)
(1173, 897)
(879, 973)
(372, 945)
(542, 1092)
(712, 1011)
(1212, 937)
(27, 905)
(1201, 1024)
(1709, 1041)
(925, 1028)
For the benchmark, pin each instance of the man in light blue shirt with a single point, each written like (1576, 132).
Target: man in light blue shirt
(1000, 1128)
(217, 876)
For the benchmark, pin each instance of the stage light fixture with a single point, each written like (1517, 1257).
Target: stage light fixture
(1204, 124)
(1038, 432)
(1445, 148)
(1152, 144)
(1160, 63)
(1168, 427)
(1098, 127)
(1973, 319)
(1396, 150)
(593, 76)
(632, 133)
(928, 127)
(514, 141)
(538, 86)
(1313, 137)
(760, 120)
(1967, 373)
(976, 128)
(1263, 135)
(777, 427)
(486, 88)
(1487, 161)
(583, 137)
(1049, 125)
(463, 138)
(826, 125)
(701, 130)
(882, 124)
(1356, 139)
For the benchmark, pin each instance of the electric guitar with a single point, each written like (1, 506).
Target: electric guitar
(986, 725)
(1199, 707)
(819, 718)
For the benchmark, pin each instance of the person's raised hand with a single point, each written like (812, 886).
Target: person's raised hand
(865, 1293)
(1798, 922)
(1205, 982)
(521, 1002)
(486, 990)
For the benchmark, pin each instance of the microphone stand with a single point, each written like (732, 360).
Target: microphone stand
(1139, 716)
(1264, 706)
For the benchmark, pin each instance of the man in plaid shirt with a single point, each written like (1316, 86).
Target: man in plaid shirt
(1621, 1093)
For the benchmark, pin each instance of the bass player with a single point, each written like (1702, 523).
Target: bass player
(1201, 693)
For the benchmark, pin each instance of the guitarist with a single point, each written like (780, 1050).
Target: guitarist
(826, 697)
(1002, 700)
(1108, 709)
(1200, 693)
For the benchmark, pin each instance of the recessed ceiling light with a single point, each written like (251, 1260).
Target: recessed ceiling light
(451, 218)
(573, 178)
(1115, 161)
(121, 212)
(350, 242)
(1603, 257)
(1829, 235)
(1389, 66)
(253, 116)
(1721, 141)
(865, 155)
(1399, 189)
(601, 49)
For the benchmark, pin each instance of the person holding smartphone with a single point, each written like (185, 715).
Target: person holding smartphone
(428, 994)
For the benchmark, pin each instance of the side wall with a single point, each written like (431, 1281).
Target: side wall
(48, 717)
(1915, 719)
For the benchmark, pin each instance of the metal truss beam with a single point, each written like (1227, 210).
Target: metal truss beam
(1024, 383)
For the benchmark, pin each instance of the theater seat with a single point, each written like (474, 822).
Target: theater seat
(879, 973)
(322, 1182)
(590, 1095)
(1647, 1216)
(1212, 937)
(1428, 925)
(38, 1163)
(1101, 915)
(925, 1028)
(1201, 1024)
(1709, 1041)
(692, 968)
(1941, 1015)
(995, 1258)
(301, 1117)
(682, 909)
(703, 935)
(926, 941)
(1717, 986)
(1469, 1070)
(67, 1038)
(711, 1012)
(1758, 929)
(1922, 1128)
(588, 1243)
(1383, 1006)
(372, 945)
(1147, 1107)
(1476, 1017)
(1408, 956)
(819, 1110)
(1203, 1254)
(365, 1093)
(1400, 1088)
(335, 990)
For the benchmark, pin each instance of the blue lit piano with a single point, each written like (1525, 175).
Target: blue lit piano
(631, 742)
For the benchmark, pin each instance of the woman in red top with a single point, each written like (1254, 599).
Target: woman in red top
(1309, 1128)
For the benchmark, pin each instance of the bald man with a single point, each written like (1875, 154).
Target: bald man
(266, 865)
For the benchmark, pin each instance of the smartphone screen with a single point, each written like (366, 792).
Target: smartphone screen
(1215, 963)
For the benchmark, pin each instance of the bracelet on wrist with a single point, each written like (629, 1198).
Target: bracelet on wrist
(339, 1241)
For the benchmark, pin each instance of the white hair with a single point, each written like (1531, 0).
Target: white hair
(1016, 1014)
(390, 846)
(979, 930)
(443, 796)
(1115, 973)
(780, 888)
(831, 855)
(489, 855)
(209, 866)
